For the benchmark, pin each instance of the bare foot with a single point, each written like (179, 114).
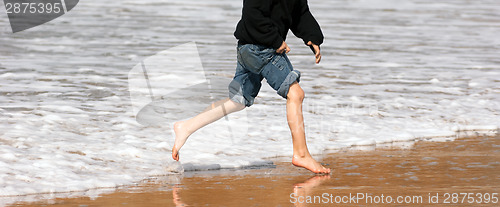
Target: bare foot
(181, 136)
(309, 163)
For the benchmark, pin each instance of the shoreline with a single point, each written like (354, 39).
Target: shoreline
(426, 169)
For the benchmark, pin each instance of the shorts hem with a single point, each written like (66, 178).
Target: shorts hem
(293, 76)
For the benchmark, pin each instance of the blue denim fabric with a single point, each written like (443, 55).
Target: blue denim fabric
(256, 62)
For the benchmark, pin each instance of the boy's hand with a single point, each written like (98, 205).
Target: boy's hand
(317, 52)
(283, 48)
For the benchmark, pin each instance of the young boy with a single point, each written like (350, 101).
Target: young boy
(261, 52)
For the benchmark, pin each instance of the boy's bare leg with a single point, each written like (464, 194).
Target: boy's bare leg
(301, 156)
(212, 113)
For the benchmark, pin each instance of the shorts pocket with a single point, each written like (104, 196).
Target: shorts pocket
(254, 57)
(279, 62)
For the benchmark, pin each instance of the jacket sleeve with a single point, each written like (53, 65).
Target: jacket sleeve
(305, 26)
(258, 22)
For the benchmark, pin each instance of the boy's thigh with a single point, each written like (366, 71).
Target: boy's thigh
(279, 74)
(245, 86)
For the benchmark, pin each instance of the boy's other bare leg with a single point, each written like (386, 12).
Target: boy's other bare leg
(212, 113)
(301, 156)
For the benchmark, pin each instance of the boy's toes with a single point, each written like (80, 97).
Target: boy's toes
(324, 170)
(175, 154)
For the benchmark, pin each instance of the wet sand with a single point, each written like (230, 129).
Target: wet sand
(413, 172)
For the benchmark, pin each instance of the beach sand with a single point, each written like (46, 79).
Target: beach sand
(423, 172)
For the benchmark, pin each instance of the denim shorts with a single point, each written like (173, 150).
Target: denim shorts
(256, 62)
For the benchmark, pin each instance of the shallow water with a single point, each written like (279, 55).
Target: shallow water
(391, 71)
(390, 172)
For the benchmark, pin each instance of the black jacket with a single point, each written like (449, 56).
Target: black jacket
(266, 22)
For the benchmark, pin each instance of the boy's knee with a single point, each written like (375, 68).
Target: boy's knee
(295, 93)
(240, 107)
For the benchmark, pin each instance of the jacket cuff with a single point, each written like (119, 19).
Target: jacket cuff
(278, 41)
(316, 41)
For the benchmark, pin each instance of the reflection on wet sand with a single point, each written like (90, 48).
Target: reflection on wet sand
(176, 196)
(303, 191)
